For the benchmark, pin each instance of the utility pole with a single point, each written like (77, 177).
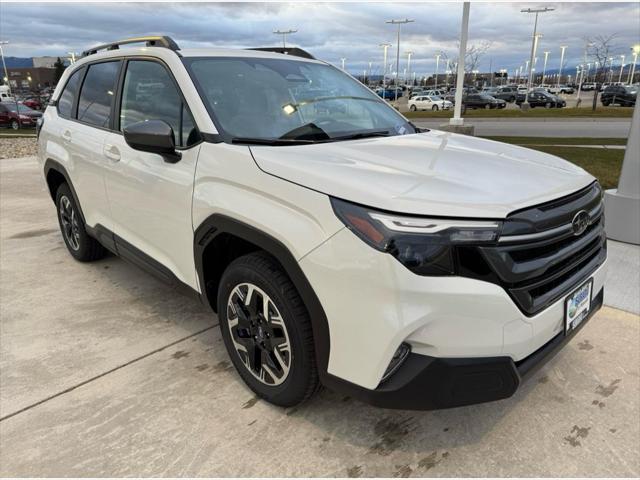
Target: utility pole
(284, 34)
(435, 84)
(534, 42)
(562, 49)
(398, 22)
(385, 46)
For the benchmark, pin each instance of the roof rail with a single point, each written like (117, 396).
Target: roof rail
(154, 41)
(296, 52)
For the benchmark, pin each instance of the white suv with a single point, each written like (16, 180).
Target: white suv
(338, 243)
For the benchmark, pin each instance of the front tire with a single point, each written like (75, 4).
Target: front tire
(15, 125)
(267, 330)
(81, 246)
(413, 108)
(487, 106)
(435, 108)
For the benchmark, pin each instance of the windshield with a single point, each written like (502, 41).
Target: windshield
(268, 99)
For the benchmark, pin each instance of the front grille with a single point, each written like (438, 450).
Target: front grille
(540, 259)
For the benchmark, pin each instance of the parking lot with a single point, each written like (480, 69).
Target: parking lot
(105, 372)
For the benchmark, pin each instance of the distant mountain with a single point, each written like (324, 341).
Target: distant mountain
(17, 62)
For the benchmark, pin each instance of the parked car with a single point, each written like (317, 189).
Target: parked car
(482, 100)
(405, 268)
(522, 89)
(389, 93)
(507, 94)
(33, 103)
(620, 95)
(587, 86)
(429, 102)
(539, 98)
(451, 94)
(17, 115)
(563, 89)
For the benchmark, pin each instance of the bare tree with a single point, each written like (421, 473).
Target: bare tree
(472, 58)
(601, 49)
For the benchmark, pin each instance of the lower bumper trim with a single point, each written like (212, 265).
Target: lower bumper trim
(429, 383)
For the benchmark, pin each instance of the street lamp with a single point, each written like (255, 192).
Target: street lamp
(385, 46)
(578, 99)
(435, 85)
(73, 57)
(610, 69)
(636, 51)
(408, 74)
(621, 68)
(284, 34)
(544, 67)
(533, 45)
(398, 22)
(562, 49)
(343, 60)
(4, 65)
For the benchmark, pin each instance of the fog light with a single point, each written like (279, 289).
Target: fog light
(398, 359)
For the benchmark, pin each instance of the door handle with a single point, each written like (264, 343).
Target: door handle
(112, 153)
(66, 136)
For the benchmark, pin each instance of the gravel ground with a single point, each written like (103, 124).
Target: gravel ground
(17, 147)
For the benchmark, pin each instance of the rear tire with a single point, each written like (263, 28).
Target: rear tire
(413, 108)
(267, 330)
(435, 108)
(487, 106)
(547, 105)
(15, 125)
(81, 246)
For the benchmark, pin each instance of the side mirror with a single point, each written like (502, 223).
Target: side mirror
(153, 136)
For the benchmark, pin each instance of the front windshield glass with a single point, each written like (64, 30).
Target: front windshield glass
(269, 99)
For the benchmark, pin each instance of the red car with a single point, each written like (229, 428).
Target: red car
(33, 103)
(18, 116)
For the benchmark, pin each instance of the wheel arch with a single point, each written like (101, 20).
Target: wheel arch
(55, 174)
(219, 239)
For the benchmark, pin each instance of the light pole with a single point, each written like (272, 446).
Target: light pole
(533, 46)
(544, 66)
(562, 49)
(457, 120)
(408, 74)
(435, 84)
(610, 69)
(284, 34)
(578, 99)
(398, 22)
(448, 71)
(621, 68)
(636, 50)
(343, 59)
(385, 46)
(4, 65)
(73, 57)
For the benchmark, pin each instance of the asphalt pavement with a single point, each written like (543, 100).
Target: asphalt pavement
(106, 372)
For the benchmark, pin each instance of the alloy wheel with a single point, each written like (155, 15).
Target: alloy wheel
(259, 334)
(69, 220)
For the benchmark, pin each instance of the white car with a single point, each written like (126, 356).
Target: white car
(407, 268)
(429, 102)
(522, 89)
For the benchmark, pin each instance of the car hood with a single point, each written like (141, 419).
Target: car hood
(431, 173)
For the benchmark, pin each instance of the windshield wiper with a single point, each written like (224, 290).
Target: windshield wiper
(354, 136)
(270, 141)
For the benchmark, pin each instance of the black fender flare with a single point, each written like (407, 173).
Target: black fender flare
(51, 164)
(217, 224)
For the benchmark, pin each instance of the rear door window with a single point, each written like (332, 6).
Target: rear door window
(97, 94)
(65, 102)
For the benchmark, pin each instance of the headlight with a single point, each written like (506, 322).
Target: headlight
(426, 246)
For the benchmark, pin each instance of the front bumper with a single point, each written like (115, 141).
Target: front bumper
(428, 383)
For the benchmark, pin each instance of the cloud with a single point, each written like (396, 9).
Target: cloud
(328, 30)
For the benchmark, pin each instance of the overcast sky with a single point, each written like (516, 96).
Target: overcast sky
(329, 31)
